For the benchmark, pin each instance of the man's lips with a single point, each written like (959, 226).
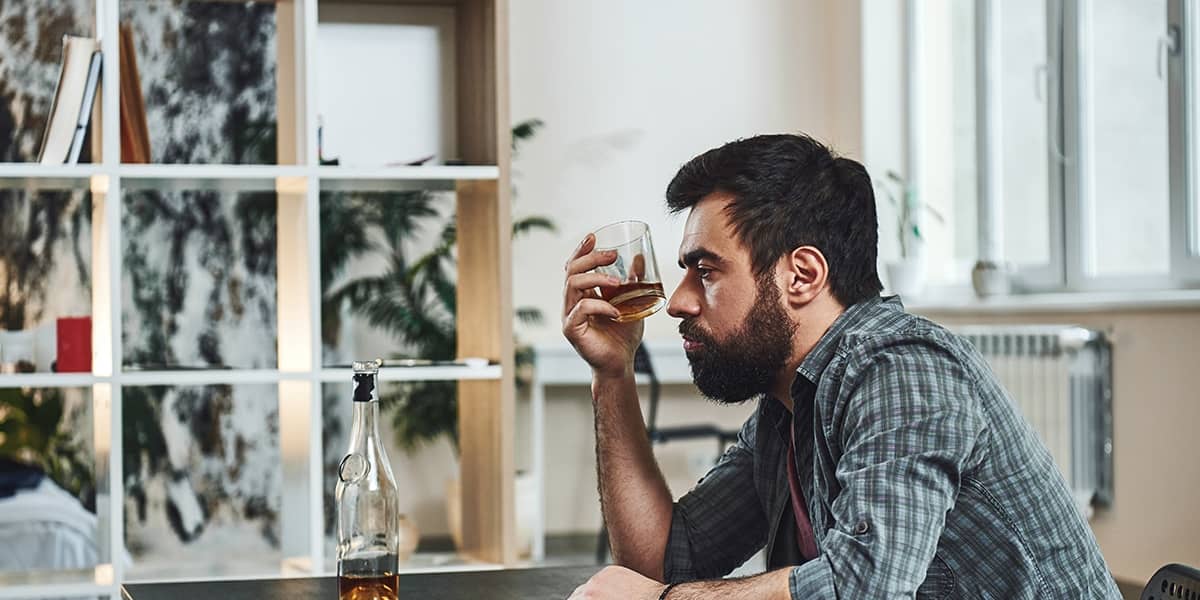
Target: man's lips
(691, 345)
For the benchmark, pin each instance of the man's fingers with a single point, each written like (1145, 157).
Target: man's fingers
(586, 308)
(585, 246)
(581, 280)
(586, 281)
(583, 285)
(591, 260)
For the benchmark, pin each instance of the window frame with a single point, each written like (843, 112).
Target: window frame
(1052, 274)
(1078, 199)
(1183, 22)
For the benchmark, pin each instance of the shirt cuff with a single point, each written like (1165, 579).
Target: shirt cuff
(813, 580)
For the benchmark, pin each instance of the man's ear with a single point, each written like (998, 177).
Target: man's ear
(805, 273)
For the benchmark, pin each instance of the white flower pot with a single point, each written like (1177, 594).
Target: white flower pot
(990, 279)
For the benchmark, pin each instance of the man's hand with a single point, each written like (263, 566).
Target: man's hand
(605, 344)
(618, 583)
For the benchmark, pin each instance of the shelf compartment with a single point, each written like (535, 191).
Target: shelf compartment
(223, 476)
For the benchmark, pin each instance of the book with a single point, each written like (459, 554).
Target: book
(85, 109)
(68, 99)
(135, 136)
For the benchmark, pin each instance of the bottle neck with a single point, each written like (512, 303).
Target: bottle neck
(365, 422)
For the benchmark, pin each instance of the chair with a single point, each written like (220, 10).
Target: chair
(1174, 581)
(43, 527)
(662, 435)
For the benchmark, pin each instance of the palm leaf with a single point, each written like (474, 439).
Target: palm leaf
(525, 130)
(530, 224)
(529, 315)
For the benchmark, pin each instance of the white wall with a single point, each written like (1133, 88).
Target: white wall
(629, 91)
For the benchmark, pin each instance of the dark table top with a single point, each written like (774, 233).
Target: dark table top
(554, 583)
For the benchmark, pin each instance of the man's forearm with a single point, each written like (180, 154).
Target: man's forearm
(633, 495)
(772, 585)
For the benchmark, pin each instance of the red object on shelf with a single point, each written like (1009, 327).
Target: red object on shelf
(74, 345)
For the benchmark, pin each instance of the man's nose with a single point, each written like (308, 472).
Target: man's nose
(683, 303)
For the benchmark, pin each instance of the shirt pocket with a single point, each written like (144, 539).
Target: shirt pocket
(940, 581)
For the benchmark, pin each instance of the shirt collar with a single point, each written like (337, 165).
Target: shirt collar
(810, 369)
(819, 357)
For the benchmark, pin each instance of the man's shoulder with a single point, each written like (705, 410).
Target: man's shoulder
(887, 327)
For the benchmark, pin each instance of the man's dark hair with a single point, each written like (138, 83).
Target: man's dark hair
(791, 191)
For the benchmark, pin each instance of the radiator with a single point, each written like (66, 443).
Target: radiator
(1060, 378)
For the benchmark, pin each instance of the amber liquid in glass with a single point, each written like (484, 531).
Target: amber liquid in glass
(635, 300)
(386, 587)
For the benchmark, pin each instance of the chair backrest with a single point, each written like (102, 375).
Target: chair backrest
(1173, 582)
(643, 365)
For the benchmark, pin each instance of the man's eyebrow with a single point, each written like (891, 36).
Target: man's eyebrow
(692, 257)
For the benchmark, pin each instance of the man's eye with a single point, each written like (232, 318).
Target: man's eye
(703, 272)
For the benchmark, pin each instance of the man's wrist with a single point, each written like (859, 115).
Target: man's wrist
(608, 378)
(666, 590)
(772, 584)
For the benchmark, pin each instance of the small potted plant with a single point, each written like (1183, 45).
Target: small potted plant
(906, 276)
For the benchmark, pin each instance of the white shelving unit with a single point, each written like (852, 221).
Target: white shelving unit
(485, 305)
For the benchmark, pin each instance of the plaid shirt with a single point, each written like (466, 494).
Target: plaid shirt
(921, 479)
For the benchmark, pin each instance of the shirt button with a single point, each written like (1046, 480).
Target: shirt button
(862, 528)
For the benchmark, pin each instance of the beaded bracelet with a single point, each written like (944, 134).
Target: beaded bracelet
(667, 590)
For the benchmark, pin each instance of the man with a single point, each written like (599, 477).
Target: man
(884, 460)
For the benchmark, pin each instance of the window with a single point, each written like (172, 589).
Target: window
(1064, 132)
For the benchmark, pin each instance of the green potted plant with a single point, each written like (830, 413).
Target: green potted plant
(906, 276)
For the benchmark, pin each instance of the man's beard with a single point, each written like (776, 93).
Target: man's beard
(747, 362)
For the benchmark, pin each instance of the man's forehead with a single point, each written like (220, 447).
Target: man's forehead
(708, 228)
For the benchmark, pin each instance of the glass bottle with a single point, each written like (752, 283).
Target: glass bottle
(368, 510)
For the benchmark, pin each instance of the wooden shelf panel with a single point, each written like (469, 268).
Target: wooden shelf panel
(35, 176)
(58, 590)
(236, 178)
(438, 177)
(229, 178)
(206, 377)
(49, 380)
(422, 373)
(247, 376)
(71, 583)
